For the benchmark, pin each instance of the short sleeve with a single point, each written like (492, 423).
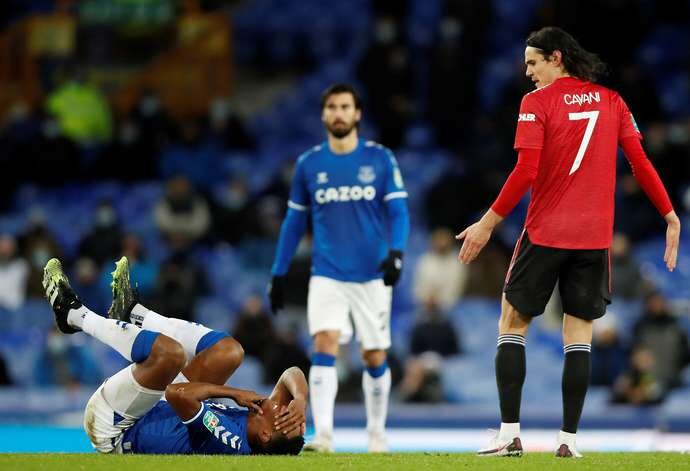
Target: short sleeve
(207, 423)
(394, 186)
(627, 126)
(299, 194)
(530, 123)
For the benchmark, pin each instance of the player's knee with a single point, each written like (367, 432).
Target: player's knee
(511, 321)
(230, 351)
(168, 354)
(374, 358)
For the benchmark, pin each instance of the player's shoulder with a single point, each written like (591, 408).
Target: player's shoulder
(310, 153)
(379, 150)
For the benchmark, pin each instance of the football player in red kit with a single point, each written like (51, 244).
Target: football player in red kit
(568, 133)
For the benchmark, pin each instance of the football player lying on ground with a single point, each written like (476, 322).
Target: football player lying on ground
(186, 362)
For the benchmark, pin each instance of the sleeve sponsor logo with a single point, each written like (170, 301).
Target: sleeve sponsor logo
(526, 117)
(211, 421)
(397, 178)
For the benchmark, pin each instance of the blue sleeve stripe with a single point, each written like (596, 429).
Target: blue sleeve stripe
(394, 195)
(298, 207)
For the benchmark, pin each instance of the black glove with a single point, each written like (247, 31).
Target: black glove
(391, 267)
(275, 293)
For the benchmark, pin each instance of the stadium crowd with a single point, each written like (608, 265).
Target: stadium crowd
(421, 92)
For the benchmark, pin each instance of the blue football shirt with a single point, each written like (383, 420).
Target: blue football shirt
(216, 429)
(347, 196)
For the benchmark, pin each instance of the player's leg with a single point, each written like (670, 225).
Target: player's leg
(530, 281)
(212, 355)
(133, 391)
(585, 290)
(327, 315)
(371, 306)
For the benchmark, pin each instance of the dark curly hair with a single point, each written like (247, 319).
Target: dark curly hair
(577, 61)
(285, 446)
(337, 89)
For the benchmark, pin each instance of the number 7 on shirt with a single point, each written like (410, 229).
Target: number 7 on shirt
(591, 117)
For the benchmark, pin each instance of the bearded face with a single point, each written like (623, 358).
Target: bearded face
(340, 116)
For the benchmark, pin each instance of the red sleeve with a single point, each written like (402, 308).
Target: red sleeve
(518, 182)
(645, 174)
(529, 133)
(627, 125)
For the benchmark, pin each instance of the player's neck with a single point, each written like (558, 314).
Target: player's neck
(345, 145)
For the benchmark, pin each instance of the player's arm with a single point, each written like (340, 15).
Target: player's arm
(519, 181)
(398, 222)
(186, 398)
(651, 184)
(292, 392)
(291, 232)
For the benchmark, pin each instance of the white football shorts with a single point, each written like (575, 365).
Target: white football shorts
(114, 407)
(337, 305)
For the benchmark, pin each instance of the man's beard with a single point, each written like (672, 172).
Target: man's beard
(341, 132)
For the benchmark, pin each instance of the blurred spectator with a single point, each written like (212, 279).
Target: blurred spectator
(192, 156)
(609, 356)
(660, 333)
(387, 75)
(227, 129)
(433, 332)
(86, 282)
(182, 216)
(639, 385)
(141, 136)
(422, 381)
(14, 272)
(143, 272)
(626, 277)
(179, 285)
(66, 361)
(635, 216)
(102, 242)
(233, 212)
(283, 352)
(81, 110)
(5, 378)
(457, 184)
(254, 328)
(438, 273)
(38, 245)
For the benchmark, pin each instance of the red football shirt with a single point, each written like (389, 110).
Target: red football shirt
(578, 126)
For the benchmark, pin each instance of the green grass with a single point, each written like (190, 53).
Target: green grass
(392, 461)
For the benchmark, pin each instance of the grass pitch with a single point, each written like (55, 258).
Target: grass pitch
(379, 462)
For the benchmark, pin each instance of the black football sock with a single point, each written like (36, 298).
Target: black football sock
(576, 372)
(510, 375)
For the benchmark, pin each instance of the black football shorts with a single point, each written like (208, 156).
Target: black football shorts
(583, 277)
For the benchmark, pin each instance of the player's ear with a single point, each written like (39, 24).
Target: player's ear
(557, 57)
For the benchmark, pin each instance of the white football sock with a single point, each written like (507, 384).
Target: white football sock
(323, 387)
(186, 333)
(509, 431)
(117, 334)
(376, 392)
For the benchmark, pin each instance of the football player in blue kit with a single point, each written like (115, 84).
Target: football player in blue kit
(184, 362)
(354, 193)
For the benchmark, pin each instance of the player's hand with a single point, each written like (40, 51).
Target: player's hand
(672, 240)
(248, 399)
(276, 289)
(391, 267)
(475, 238)
(292, 418)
